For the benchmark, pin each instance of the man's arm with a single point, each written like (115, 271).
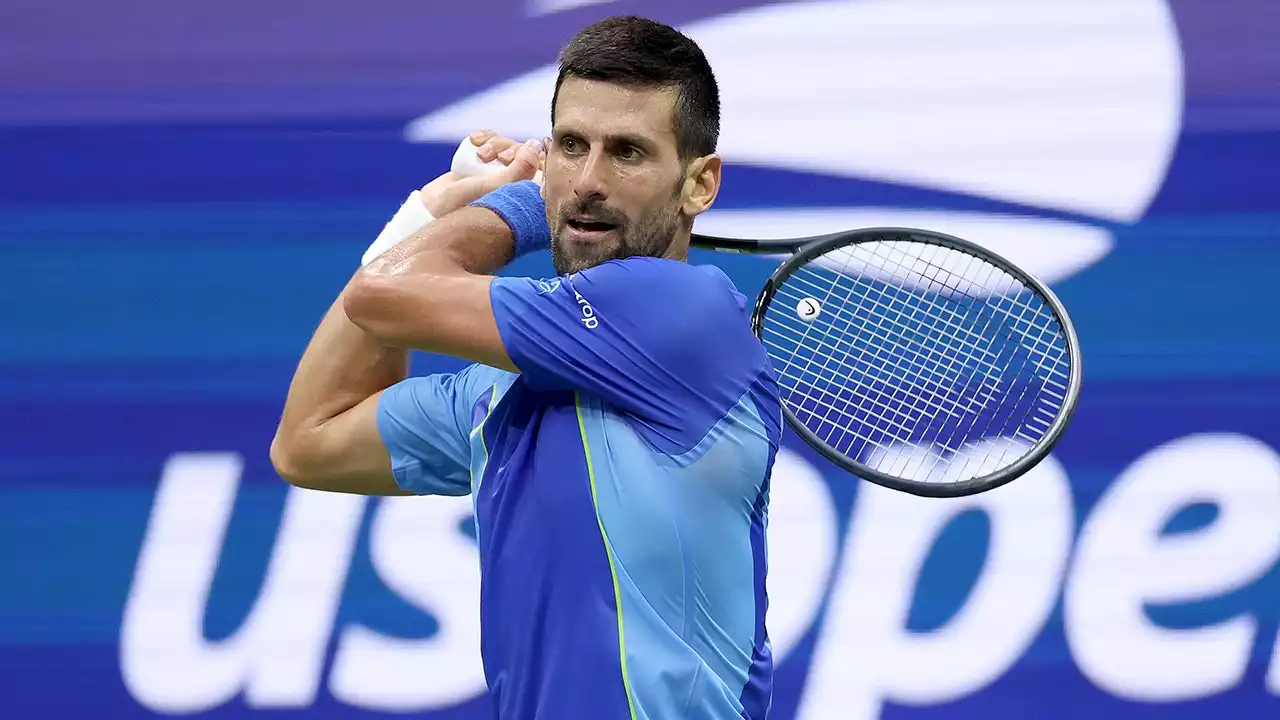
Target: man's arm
(328, 434)
(636, 332)
(328, 437)
(432, 293)
(655, 338)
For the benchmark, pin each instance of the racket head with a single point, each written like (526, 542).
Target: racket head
(920, 293)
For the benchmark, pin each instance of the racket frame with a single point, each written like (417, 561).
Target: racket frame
(803, 250)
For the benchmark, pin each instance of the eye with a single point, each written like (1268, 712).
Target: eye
(571, 145)
(630, 152)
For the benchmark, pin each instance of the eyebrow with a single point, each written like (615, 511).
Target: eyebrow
(613, 138)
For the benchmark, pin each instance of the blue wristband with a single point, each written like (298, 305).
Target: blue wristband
(521, 206)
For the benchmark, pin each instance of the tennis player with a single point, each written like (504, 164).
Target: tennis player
(618, 427)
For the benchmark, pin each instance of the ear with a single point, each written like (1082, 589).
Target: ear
(701, 185)
(541, 176)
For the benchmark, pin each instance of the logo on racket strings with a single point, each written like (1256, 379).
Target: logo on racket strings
(808, 309)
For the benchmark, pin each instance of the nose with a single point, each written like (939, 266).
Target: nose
(593, 177)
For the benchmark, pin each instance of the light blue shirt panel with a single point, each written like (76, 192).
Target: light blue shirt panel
(426, 424)
(680, 531)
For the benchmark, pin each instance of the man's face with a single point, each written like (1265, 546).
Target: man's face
(613, 179)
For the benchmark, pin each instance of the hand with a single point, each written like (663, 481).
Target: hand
(491, 146)
(451, 191)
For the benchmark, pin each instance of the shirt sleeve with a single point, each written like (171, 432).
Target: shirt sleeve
(665, 341)
(425, 423)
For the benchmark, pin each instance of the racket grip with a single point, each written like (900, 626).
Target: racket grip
(467, 164)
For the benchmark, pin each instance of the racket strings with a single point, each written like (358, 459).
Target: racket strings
(965, 299)
(876, 308)
(925, 387)
(930, 318)
(918, 345)
(895, 349)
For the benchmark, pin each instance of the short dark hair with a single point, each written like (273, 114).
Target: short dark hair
(639, 52)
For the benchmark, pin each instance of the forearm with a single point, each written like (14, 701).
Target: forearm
(432, 293)
(474, 240)
(471, 240)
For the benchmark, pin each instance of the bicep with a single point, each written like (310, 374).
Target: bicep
(344, 454)
(409, 439)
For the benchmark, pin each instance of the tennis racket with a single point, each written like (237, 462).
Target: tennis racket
(912, 359)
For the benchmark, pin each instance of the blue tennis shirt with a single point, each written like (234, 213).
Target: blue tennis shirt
(620, 484)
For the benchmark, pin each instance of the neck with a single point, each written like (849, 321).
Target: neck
(679, 247)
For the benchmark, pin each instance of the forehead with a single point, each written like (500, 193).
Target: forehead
(595, 107)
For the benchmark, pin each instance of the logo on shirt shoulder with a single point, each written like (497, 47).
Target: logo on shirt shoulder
(589, 319)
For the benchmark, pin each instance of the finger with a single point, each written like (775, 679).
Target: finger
(497, 150)
(493, 148)
(524, 162)
(480, 137)
(523, 166)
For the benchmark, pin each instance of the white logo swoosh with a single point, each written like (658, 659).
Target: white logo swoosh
(1074, 106)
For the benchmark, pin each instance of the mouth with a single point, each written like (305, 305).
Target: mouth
(589, 228)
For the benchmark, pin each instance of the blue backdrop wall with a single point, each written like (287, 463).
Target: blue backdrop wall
(184, 188)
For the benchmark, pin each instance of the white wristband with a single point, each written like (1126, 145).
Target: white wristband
(409, 219)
